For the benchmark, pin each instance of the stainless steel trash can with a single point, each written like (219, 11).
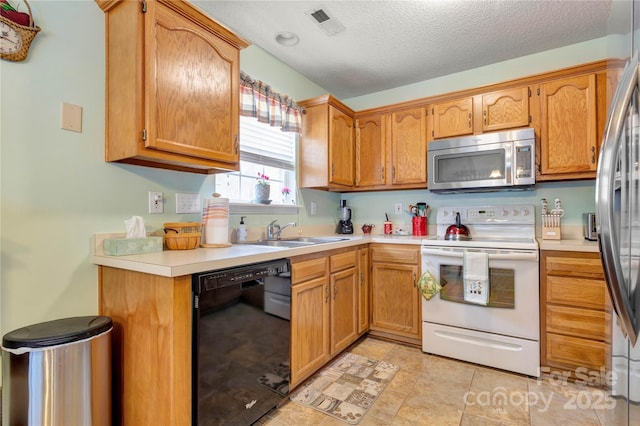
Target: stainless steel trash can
(58, 373)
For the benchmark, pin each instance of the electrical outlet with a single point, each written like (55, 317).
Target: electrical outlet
(156, 203)
(398, 208)
(314, 209)
(188, 203)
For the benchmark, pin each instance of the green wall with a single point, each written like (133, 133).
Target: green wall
(57, 191)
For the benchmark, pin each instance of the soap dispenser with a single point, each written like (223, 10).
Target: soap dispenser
(242, 230)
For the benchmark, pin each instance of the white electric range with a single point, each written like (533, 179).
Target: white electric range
(487, 312)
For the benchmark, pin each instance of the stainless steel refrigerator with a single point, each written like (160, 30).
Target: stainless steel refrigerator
(618, 225)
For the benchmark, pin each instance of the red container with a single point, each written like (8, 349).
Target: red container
(387, 228)
(419, 225)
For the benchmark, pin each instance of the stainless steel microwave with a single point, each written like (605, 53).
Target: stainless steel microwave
(487, 162)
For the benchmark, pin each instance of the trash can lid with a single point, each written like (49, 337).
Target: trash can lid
(57, 332)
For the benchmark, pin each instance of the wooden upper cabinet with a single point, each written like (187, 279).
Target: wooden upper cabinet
(327, 144)
(452, 118)
(505, 109)
(371, 145)
(341, 148)
(172, 87)
(409, 146)
(568, 128)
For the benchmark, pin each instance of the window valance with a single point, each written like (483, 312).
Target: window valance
(257, 99)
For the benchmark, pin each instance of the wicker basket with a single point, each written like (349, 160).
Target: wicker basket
(27, 34)
(182, 235)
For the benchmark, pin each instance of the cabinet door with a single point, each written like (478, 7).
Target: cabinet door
(370, 150)
(192, 89)
(341, 148)
(409, 146)
(568, 141)
(344, 309)
(363, 290)
(394, 299)
(309, 328)
(505, 109)
(453, 118)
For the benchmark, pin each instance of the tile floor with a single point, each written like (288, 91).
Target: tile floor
(432, 390)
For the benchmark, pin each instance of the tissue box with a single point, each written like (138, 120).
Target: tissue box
(124, 246)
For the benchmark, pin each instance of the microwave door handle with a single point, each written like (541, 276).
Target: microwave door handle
(510, 170)
(502, 256)
(605, 195)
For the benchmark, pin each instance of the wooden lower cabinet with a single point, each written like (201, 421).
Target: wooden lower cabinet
(151, 345)
(576, 316)
(325, 304)
(395, 299)
(363, 293)
(344, 300)
(309, 327)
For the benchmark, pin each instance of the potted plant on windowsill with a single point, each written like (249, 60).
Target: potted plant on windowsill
(285, 194)
(263, 189)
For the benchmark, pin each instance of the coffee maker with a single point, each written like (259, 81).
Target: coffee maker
(344, 219)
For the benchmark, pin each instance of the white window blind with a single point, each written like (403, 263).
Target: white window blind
(266, 145)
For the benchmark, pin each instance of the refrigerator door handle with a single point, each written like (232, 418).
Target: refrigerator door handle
(605, 192)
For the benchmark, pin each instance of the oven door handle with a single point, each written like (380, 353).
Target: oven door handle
(498, 256)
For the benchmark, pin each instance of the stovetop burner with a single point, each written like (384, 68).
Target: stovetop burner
(508, 227)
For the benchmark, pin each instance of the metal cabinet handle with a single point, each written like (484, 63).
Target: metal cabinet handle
(326, 294)
(335, 291)
(415, 284)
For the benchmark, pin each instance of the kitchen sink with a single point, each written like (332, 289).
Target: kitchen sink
(296, 242)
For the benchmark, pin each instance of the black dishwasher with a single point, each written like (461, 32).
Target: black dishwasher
(240, 349)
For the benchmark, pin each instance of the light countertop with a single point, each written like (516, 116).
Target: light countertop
(569, 245)
(174, 263)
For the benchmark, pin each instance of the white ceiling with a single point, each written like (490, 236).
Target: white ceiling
(388, 44)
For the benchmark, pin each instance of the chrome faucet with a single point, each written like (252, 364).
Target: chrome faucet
(274, 230)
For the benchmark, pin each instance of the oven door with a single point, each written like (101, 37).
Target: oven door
(513, 302)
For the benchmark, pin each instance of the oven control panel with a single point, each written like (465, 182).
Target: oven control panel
(516, 214)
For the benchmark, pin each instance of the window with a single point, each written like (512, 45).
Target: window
(263, 150)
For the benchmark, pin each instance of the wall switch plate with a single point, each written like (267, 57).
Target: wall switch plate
(156, 203)
(71, 117)
(398, 208)
(313, 208)
(188, 203)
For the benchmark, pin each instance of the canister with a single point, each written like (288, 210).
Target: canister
(419, 225)
(388, 228)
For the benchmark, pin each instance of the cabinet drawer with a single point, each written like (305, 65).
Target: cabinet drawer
(579, 292)
(586, 323)
(574, 266)
(342, 261)
(391, 253)
(576, 352)
(308, 270)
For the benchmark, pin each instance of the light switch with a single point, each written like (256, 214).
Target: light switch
(71, 117)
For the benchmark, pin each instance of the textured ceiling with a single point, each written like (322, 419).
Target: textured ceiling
(388, 44)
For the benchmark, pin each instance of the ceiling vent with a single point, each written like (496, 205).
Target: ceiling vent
(329, 24)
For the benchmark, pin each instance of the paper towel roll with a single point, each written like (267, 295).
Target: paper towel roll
(215, 221)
